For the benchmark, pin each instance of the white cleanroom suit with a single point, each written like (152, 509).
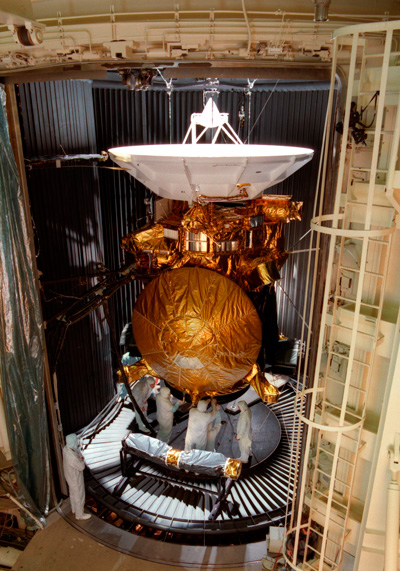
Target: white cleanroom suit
(141, 392)
(213, 428)
(127, 360)
(165, 414)
(244, 432)
(74, 465)
(198, 423)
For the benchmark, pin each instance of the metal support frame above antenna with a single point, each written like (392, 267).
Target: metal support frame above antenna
(211, 118)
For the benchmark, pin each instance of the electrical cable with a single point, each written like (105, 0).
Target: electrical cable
(299, 240)
(375, 96)
(293, 305)
(262, 111)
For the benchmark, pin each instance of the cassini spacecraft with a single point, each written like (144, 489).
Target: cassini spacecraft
(216, 242)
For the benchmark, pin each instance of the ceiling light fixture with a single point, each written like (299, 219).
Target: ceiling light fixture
(321, 8)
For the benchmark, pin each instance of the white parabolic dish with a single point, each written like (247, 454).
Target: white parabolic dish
(214, 171)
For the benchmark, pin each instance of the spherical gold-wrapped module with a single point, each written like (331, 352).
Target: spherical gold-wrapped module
(198, 330)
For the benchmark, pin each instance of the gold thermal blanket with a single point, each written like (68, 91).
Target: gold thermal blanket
(198, 330)
(244, 243)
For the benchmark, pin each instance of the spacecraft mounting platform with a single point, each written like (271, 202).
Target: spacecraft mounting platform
(176, 508)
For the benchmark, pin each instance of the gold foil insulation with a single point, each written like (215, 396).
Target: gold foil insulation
(197, 330)
(172, 458)
(137, 371)
(243, 242)
(233, 468)
(264, 389)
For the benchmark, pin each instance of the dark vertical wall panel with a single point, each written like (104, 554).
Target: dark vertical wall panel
(66, 209)
(82, 213)
(292, 116)
(57, 117)
(123, 210)
(303, 118)
(125, 122)
(65, 202)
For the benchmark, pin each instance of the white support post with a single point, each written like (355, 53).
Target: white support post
(393, 510)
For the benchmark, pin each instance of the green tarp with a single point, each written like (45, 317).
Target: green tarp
(21, 341)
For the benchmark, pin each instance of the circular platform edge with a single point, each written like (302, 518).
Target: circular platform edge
(246, 557)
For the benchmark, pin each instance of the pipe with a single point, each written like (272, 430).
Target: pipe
(35, 519)
(392, 525)
(321, 10)
(248, 28)
(105, 17)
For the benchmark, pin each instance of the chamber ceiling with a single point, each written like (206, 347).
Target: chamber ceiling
(88, 38)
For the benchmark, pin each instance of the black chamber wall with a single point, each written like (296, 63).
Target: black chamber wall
(80, 212)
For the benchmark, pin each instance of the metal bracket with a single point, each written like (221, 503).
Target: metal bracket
(25, 32)
(211, 118)
(394, 454)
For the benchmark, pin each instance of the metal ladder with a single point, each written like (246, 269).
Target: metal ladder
(359, 232)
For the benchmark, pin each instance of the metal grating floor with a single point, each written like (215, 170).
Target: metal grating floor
(158, 500)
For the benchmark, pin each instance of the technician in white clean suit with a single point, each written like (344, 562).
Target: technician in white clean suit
(198, 424)
(165, 414)
(214, 428)
(74, 465)
(244, 433)
(141, 392)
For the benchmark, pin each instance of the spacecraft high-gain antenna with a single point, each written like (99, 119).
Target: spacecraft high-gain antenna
(210, 171)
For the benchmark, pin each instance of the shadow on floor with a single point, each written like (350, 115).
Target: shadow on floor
(62, 547)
